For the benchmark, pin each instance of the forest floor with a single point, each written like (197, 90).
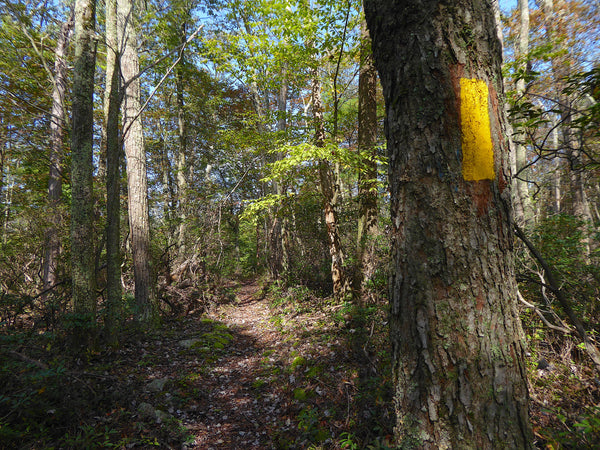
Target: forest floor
(260, 369)
(247, 374)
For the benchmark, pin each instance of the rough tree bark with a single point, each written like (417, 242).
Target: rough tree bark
(135, 153)
(82, 123)
(112, 106)
(182, 181)
(456, 336)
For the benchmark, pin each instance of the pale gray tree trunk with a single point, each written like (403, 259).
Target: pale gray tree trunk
(57, 136)
(523, 205)
(457, 342)
(82, 123)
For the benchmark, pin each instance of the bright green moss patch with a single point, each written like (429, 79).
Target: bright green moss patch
(297, 362)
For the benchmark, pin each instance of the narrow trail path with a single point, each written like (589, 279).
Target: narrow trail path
(242, 408)
(244, 376)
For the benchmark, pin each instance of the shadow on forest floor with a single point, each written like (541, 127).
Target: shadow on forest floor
(286, 371)
(243, 376)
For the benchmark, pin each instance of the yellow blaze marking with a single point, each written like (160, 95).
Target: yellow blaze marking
(477, 149)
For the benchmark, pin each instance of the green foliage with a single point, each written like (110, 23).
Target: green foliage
(582, 432)
(309, 424)
(30, 399)
(561, 239)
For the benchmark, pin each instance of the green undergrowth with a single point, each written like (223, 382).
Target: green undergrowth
(52, 398)
(340, 368)
(565, 393)
(328, 368)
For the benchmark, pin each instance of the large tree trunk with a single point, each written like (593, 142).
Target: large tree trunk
(112, 106)
(57, 136)
(367, 175)
(82, 134)
(137, 180)
(457, 340)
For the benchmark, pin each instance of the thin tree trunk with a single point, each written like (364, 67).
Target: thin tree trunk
(555, 23)
(137, 180)
(326, 177)
(112, 106)
(82, 215)
(57, 136)
(523, 204)
(2, 200)
(457, 342)
(278, 239)
(556, 175)
(10, 187)
(367, 175)
(182, 182)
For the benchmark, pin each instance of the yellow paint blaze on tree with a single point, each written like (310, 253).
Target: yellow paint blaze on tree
(477, 148)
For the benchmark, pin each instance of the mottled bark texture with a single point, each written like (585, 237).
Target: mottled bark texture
(82, 214)
(460, 379)
(112, 106)
(135, 152)
(326, 177)
(182, 165)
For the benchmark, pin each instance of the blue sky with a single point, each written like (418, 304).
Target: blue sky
(507, 5)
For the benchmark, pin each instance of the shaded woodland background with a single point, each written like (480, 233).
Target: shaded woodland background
(266, 161)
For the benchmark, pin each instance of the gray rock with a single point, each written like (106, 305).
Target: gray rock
(187, 343)
(161, 416)
(157, 385)
(146, 411)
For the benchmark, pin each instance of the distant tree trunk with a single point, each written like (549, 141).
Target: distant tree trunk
(2, 159)
(10, 185)
(456, 335)
(523, 205)
(326, 177)
(555, 174)
(367, 175)
(279, 261)
(82, 166)
(135, 152)
(182, 182)
(168, 201)
(112, 106)
(57, 136)
(555, 24)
